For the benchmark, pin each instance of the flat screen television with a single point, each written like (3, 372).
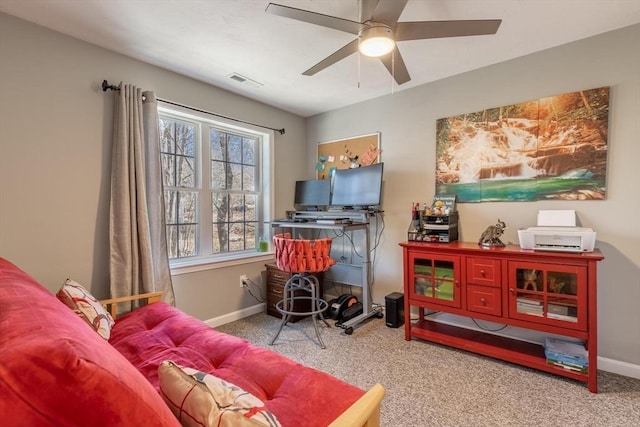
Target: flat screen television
(357, 188)
(312, 195)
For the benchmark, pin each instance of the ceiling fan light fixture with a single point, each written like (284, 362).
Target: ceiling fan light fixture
(376, 41)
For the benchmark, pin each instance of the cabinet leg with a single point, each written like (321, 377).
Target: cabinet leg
(593, 382)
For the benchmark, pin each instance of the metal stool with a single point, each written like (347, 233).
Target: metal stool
(303, 258)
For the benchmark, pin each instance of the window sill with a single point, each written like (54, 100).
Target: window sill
(195, 265)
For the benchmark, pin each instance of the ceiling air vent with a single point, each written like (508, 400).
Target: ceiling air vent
(245, 81)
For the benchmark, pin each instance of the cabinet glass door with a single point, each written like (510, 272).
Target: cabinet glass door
(435, 279)
(553, 293)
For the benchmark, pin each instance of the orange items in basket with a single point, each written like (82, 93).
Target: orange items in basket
(302, 256)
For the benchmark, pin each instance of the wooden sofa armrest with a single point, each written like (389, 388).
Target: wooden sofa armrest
(111, 304)
(365, 412)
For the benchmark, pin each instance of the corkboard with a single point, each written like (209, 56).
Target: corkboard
(342, 153)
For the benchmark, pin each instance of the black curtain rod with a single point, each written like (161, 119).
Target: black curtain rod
(106, 86)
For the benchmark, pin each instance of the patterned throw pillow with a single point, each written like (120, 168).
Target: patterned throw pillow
(77, 298)
(200, 399)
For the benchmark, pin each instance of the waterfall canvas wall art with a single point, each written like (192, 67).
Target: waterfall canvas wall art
(553, 148)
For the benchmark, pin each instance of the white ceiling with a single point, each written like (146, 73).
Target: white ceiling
(211, 39)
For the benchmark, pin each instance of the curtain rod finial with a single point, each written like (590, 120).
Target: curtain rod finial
(106, 86)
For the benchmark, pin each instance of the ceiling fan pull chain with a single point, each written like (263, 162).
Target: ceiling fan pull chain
(359, 75)
(393, 70)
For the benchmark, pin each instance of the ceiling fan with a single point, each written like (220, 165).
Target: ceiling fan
(379, 31)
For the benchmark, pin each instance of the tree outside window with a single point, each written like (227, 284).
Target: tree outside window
(177, 147)
(212, 186)
(233, 195)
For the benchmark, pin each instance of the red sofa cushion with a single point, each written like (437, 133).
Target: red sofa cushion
(297, 395)
(56, 370)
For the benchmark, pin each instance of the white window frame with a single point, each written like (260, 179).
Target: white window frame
(265, 137)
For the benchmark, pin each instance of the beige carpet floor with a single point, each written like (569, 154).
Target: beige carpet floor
(432, 385)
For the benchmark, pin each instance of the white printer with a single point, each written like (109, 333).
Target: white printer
(557, 231)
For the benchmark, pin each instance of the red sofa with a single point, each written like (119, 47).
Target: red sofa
(55, 370)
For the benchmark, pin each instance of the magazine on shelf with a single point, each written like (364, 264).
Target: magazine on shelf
(566, 353)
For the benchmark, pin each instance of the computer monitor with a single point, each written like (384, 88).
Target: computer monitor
(357, 188)
(312, 194)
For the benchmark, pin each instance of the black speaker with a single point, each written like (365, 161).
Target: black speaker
(394, 309)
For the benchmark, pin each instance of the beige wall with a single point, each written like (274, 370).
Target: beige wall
(407, 121)
(55, 139)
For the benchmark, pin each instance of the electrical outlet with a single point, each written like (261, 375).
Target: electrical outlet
(243, 281)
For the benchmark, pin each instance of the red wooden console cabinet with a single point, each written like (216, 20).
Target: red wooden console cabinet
(553, 292)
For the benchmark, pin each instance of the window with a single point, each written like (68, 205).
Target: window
(216, 182)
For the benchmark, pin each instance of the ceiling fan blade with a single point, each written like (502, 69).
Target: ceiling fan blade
(367, 7)
(438, 29)
(336, 23)
(396, 67)
(388, 11)
(338, 55)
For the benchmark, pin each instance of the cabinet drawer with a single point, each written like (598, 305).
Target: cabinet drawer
(484, 299)
(275, 290)
(276, 276)
(481, 271)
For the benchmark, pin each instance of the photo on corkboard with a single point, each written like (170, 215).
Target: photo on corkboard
(553, 148)
(347, 153)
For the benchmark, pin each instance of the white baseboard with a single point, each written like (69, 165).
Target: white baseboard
(618, 367)
(236, 315)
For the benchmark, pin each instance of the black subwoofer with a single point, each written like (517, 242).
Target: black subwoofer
(394, 309)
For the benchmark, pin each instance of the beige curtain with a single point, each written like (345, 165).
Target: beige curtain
(139, 259)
